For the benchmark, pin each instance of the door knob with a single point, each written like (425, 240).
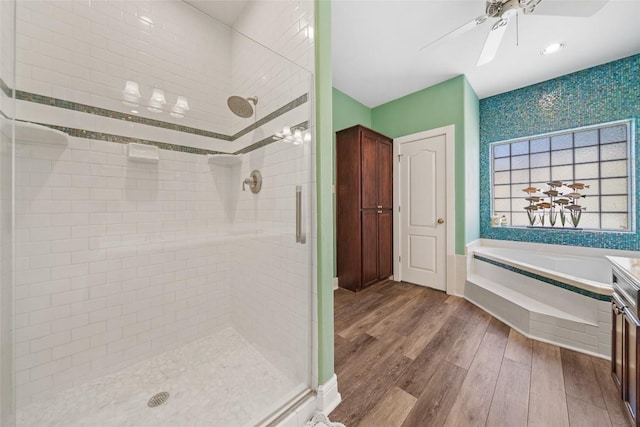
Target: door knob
(440, 221)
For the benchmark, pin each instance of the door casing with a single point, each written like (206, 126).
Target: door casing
(449, 133)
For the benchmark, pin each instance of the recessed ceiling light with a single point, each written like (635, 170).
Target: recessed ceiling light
(552, 48)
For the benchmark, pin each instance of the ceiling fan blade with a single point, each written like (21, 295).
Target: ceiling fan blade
(460, 30)
(493, 42)
(579, 8)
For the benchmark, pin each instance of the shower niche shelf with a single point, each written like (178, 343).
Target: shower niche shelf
(31, 132)
(143, 152)
(224, 159)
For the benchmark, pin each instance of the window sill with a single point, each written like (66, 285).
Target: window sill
(537, 227)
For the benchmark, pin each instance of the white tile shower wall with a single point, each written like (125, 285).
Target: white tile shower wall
(270, 280)
(286, 27)
(71, 196)
(271, 289)
(85, 52)
(116, 260)
(262, 73)
(7, 43)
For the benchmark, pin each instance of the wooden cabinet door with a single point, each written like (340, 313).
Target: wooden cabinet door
(630, 363)
(385, 244)
(369, 178)
(385, 175)
(617, 337)
(369, 246)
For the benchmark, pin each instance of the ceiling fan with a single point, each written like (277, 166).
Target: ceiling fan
(505, 10)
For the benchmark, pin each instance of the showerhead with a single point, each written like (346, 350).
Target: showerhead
(242, 106)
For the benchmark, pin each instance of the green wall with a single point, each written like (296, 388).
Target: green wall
(348, 112)
(450, 102)
(472, 163)
(324, 176)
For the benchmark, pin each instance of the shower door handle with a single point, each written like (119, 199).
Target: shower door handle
(300, 238)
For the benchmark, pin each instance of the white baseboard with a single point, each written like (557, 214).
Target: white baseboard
(335, 283)
(461, 274)
(456, 274)
(327, 396)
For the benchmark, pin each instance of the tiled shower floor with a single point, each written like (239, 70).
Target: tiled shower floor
(219, 380)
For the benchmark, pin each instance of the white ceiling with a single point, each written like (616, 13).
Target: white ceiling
(377, 58)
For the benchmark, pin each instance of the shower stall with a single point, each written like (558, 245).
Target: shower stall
(156, 212)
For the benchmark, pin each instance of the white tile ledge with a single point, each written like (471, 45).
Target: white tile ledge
(143, 152)
(31, 132)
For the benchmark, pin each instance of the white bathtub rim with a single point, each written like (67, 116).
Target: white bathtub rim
(578, 282)
(537, 338)
(547, 248)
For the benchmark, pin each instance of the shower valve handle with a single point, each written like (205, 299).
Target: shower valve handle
(254, 182)
(250, 182)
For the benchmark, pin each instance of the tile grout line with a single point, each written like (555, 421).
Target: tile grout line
(495, 385)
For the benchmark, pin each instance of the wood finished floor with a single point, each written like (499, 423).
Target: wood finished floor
(415, 357)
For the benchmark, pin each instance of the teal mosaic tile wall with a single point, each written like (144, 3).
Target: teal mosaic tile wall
(596, 95)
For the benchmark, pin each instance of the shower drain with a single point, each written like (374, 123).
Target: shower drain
(158, 399)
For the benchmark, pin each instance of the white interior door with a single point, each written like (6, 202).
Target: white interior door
(423, 237)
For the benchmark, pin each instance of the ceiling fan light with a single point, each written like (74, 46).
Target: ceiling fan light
(552, 48)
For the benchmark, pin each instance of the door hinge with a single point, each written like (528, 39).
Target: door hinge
(399, 156)
(398, 208)
(399, 259)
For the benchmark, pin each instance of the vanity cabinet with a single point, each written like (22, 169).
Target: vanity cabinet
(617, 337)
(364, 202)
(630, 364)
(624, 342)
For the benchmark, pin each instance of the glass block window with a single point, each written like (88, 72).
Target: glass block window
(599, 157)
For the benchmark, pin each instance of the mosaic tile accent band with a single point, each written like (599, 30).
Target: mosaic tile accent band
(89, 109)
(601, 94)
(101, 136)
(277, 113)
(120, 139)
(270, 139)
(553, 282)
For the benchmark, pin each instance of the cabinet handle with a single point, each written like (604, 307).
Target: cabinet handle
(379, 211)
(379, 206)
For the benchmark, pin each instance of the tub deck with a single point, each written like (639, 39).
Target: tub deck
(546, 293)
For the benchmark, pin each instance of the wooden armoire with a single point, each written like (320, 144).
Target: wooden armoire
(364, 207)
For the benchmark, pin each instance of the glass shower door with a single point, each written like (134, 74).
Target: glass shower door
(152, 286)
(7, 108)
